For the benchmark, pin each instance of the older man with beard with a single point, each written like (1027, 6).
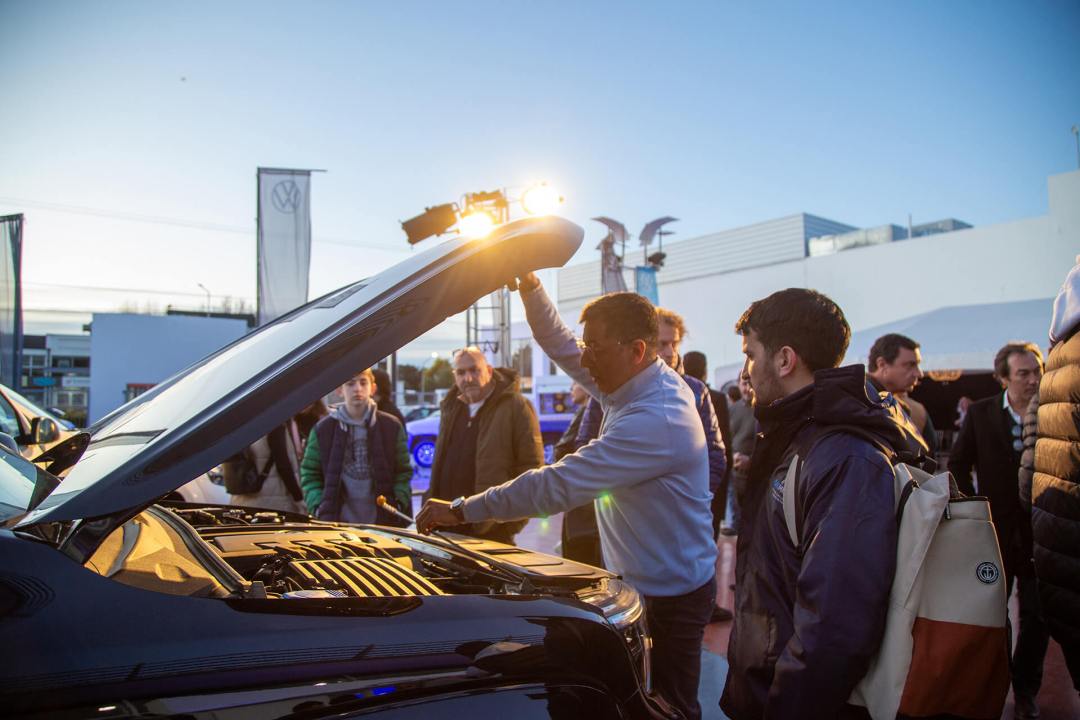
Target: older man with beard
(488, 434)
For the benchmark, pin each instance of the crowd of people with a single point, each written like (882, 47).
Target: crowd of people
(656, 467)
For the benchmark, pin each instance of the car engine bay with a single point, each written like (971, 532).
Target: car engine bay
(290, 557)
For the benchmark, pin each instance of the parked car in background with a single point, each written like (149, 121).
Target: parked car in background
(35, 430)
(123, 606)
(207, 488)
(423, 434)
(419, 412)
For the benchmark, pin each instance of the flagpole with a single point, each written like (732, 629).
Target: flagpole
(258, 245)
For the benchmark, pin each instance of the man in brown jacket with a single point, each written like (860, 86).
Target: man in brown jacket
(488, 434)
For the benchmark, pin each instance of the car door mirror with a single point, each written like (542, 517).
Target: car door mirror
(44, 430)
(9, 442)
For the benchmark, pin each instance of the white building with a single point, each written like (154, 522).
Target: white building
(710, 280)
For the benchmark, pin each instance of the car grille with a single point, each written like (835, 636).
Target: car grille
(365, 577)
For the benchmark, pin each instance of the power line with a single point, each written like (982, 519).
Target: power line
(102, 288)
(176, 222)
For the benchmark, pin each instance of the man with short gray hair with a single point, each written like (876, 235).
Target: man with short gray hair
(488, 434)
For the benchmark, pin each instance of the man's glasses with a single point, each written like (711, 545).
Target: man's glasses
(595, 348)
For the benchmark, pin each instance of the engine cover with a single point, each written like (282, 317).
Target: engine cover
(362, 577)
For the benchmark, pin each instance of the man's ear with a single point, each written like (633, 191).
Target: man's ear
(640, 350)
(785, 361)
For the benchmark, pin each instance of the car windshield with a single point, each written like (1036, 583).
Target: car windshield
(22, 485)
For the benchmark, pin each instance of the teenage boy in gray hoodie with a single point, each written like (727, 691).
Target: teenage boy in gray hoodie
(353, 455)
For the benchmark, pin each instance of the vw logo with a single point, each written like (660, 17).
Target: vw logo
(987, 572)
(286, 196)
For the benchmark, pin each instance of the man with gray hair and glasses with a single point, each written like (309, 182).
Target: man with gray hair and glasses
(647, 474)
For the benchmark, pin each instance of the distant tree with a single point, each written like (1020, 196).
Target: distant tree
(439, 375)
(147, 307)
(233, 305)
(410, 375)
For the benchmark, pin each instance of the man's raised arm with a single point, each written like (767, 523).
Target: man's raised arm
(555, 339)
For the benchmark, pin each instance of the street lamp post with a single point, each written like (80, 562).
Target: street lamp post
(207, 291)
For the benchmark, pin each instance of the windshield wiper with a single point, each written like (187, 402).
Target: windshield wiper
(524, 582)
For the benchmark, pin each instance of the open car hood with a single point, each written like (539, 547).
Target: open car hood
(223, 403)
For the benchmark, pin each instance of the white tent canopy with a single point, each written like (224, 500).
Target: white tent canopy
(963, 337)
(958, 337)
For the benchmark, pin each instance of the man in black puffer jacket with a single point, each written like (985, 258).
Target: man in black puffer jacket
(808, 619)
(1050, 477)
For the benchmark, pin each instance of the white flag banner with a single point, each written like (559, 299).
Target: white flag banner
(284, 246)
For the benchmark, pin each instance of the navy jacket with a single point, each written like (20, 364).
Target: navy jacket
(713, 440)
(809, 619)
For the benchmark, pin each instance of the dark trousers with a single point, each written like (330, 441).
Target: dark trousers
(677, 625)
(720, 504)
(1033, 638)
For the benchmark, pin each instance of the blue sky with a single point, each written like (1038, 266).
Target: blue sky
(721, 114)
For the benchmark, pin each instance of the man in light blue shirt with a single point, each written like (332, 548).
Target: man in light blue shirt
(647, 472)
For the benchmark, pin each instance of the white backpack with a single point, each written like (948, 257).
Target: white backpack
(945, 647)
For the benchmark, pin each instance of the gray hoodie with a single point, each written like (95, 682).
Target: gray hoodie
(357, 485)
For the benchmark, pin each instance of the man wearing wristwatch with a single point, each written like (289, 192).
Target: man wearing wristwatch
(647, 474)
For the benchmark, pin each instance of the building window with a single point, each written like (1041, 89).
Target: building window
(134, 390)
(71, 399)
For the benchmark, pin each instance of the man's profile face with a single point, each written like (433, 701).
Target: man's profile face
(357, 391)
(1024, 375)
(903, 373)
(745, 389)
(669, 344)
(609, 361)
(764, 381)
(472, 375)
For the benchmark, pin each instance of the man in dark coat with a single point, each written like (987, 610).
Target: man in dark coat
(1050, 487)
(672, 332)
(696, 365)
(808, 619)
(488, 434)
(989, 442)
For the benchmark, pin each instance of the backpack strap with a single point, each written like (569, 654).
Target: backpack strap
(793, 518)
(265, 471)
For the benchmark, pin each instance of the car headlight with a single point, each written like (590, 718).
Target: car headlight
(625, 610)
(620, 603)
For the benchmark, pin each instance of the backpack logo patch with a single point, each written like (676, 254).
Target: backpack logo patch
(987, 572)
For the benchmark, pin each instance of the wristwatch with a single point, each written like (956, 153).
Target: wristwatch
(457, 507)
